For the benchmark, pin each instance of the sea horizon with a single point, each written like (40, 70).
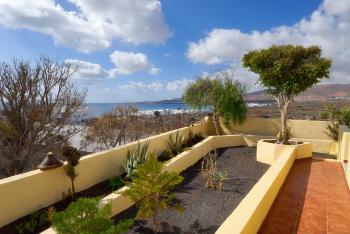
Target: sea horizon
(149, 106)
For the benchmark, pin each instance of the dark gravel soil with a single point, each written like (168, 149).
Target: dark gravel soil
(322, 155)
(206, 209)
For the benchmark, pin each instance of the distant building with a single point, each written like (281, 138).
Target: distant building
(81, 116)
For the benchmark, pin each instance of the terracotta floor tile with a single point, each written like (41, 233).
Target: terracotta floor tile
(314, 198)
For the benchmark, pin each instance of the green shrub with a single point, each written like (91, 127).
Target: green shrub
(36, 220)
(150, 189)
(84, 216)
(136, 159)
(115, 183)
(335, 118)
(156, 113)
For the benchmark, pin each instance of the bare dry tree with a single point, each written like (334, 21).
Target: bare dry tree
(37, 101)
(111, 129)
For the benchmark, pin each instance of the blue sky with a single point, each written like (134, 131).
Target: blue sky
(139, 50)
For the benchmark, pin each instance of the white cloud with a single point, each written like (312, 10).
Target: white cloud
(141, 86)
(93, 25)
(87, 71)
(127, 63)
(175, 86)
(328, 26)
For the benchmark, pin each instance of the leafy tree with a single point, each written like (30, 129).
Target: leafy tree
(150, 189)
(37, 102)
(286, 71)
(222, 94)
(84, 216)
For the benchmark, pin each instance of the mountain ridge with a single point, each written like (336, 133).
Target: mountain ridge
(322, 92)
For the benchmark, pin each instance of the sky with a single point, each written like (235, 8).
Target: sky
(143, 50)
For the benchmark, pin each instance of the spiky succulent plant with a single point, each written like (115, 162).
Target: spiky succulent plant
(176, 143)
(136, 159)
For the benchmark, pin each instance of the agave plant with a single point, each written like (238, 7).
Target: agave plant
(136, 159)
(176, 144)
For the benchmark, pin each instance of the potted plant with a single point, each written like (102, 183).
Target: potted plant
(286, 71)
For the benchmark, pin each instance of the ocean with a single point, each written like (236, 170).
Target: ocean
(100, 108)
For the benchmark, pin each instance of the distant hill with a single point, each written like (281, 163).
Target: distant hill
(324, 92)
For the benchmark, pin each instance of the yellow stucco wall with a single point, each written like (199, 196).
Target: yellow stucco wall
(318, 145)
(25, 193)
(252, 210)
(270, 127)
(344, 149)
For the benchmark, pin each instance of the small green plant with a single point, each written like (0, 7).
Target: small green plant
(335, 118)
(212, 177)
(73, 157)
(36, 220)
(115, 183)
(176, 143)
(136, 159)
(150, 189)
(165, 155)
(209, 169)
(84, 216)
(221, 177)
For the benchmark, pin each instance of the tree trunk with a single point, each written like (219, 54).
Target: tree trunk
(155, 222)
(284, 128)
(73, 189)
(216, 123)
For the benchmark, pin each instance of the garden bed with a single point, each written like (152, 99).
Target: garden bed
(100, 189)
(206, 209)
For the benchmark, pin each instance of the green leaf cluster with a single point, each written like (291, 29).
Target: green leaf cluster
(85, 217)
(221, 93)
(288, 69)
(115, 183)
(150, 189)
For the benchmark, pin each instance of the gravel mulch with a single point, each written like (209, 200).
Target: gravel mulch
(206, 209)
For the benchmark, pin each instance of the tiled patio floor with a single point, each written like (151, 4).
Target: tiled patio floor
(314, 199)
